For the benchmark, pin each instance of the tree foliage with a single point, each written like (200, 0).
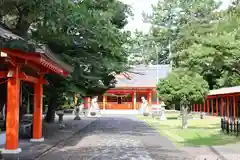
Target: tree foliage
(182, 87)
(197, 36)
(86, 34)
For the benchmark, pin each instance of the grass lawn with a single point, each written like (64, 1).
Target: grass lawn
(200, 132)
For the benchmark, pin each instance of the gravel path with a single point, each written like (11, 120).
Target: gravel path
(116, 138)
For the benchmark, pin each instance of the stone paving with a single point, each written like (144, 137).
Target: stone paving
(116, 138)
(54, 136)
(214, 153)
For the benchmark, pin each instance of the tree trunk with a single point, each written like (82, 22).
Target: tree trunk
(23, 23)
(52, 105)
(184, 117)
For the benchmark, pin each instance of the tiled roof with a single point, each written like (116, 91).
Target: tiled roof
(143, 76)
(6, 33)
(226, 90)
(41, 48)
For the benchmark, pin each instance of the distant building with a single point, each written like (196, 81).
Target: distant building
(139, 82)
(223, 102)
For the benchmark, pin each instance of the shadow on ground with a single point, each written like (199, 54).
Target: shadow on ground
(116, 138)
(53, 136)
(115, 153)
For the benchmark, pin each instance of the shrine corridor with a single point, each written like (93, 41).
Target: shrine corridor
(116, 138)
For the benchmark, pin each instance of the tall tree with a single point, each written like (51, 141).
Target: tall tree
(86, 34)
(211, 47)
(184, 88)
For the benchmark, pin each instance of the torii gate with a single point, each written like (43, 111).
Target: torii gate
(16, 66)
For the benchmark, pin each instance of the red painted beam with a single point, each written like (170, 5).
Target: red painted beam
(36, 58)
(127, 90)
(120, 91)
(223, 95)
(31, 79)
(21, 54)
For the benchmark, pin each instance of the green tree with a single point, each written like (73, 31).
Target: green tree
(86, 34)
(167, 19)
(184, 88)
(198, 36)
(212, 47)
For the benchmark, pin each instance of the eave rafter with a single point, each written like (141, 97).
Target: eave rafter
(24, 77)
(35, 60)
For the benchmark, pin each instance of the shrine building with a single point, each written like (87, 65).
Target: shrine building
(17, 67)
(139, 82)
(224, 102)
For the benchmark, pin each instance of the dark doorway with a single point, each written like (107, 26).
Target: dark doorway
(119, 100)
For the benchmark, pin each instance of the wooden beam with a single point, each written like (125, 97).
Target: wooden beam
(21, 54)
(12, 118)
(104, 102)
(217, 106)
(37, 115)
(208, 106)
(35, 58)
(212, 107)
(234, 109)
(204, 105)
(134, 99)
(227, 107)
(223, 95)
(31, 79)
(222, 106)
(119, 91)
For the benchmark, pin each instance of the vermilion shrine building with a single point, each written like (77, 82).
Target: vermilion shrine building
(17, 66)
(223, 102)
(139, 82)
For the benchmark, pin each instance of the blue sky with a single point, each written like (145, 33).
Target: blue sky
(140, 6)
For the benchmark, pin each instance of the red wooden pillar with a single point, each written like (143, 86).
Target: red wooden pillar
(86, 102)
(234, 108)
(149, 97)
(37, 114)
(104, 102)
(204, 105)
(134, 100)
(222, 105)
(236, 100)
(212, 107)
(208, 106)
(216, 106)
(12, 116)
(227, 107)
